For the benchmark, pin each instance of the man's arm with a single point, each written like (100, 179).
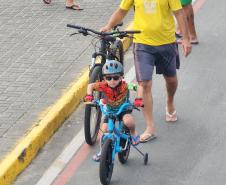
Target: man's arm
(182, 22)
(115, 18)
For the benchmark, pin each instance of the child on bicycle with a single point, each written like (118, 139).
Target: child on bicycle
(115, 92)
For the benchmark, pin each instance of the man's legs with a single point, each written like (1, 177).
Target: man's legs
(171, 87)
(69, 2)
(146, 93)
(145, 89)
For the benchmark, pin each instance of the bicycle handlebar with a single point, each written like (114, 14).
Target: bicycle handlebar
(85, 31)
(123, 107)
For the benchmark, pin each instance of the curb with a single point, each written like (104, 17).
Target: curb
(34, 139)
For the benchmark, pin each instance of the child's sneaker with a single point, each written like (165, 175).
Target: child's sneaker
(96, 157)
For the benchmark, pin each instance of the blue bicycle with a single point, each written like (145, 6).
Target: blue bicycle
(116, 141)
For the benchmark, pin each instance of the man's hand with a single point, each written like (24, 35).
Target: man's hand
(88, 98)
(138, 102)
(183, 25)
(105, 29)
(186, 46)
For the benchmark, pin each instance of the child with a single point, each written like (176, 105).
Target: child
(115, 92)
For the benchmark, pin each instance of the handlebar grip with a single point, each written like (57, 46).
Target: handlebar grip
(73, 26)
(133, 31)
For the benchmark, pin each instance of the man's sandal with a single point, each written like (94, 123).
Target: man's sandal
(47, 1)
(74, 7)
(171, 117)
(145, 137)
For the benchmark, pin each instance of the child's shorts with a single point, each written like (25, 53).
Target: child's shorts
(185, 2)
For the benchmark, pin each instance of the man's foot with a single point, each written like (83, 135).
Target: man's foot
(47, 1)
(171, 117)
(145, 137)
(74, 7)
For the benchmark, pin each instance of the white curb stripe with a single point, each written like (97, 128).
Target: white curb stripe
(59, 164)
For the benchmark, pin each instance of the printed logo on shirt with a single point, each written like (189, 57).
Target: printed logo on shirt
(150, 6)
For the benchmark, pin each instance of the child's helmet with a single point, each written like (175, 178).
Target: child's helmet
(112, 67)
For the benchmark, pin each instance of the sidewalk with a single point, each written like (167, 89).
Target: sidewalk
(39, 60)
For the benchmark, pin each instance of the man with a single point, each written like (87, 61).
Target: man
(69, 4)
(155, 46)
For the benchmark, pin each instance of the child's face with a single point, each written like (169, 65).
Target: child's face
(113, 80)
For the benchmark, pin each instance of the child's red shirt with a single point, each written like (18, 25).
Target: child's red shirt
(113, 96)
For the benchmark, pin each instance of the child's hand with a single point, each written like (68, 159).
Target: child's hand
(132, 86)
(88, 98)
(138, 102)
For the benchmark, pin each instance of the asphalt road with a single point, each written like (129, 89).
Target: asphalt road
(188, 152)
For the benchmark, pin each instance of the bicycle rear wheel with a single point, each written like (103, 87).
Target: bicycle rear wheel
(93, 113)
(106, 163)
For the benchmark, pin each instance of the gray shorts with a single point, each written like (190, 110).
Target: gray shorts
(164, 57)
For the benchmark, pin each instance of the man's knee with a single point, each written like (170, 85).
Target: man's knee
(146, 85)
(171, 80)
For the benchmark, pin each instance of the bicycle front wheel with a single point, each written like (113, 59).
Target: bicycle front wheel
(106, 162)
(93, 113)
(124, 155)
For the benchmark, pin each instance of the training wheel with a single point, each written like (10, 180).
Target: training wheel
(146, 159)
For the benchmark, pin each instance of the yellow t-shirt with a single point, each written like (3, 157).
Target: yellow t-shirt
(154, 19)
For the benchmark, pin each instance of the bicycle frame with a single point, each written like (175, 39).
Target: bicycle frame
(115, 141)
(115, 131)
